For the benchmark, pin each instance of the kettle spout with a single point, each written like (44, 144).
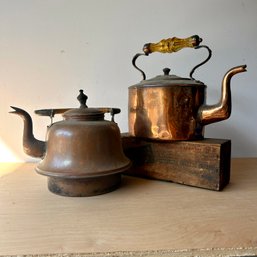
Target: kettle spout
(213, 113)
(31, 146)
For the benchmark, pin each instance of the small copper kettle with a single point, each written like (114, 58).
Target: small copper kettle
(83, 154)
(169, 107)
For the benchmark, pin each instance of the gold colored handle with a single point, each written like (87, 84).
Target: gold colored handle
(171, 45)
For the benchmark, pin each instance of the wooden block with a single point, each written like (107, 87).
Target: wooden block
(202, 163)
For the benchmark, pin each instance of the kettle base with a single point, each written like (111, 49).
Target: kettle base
(84, 186)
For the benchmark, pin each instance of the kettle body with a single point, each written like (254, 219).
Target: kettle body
(166, 112)
(78, 149)
(82, 155)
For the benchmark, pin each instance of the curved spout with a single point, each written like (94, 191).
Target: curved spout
(31, 146)
(213, 113)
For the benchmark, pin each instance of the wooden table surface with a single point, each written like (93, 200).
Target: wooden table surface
(141, 215)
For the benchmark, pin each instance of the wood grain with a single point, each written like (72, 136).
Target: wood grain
(202, 163)
(141, 215)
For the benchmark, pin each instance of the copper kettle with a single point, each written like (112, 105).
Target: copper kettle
(83, 154)
(169, 107)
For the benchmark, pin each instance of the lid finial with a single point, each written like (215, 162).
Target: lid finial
(166, 71)
(82, 98)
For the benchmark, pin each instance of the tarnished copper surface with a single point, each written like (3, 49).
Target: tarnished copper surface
(83, 158)
(78, 149)
(83, 154)
(84, 187)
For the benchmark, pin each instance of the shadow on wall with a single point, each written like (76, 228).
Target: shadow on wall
(242, 144)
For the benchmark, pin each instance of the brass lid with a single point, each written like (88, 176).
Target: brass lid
(169, 80)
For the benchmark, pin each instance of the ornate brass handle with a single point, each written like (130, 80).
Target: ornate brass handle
(172, 45)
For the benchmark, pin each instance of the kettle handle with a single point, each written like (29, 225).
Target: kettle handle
(51, 112)
(172, 45)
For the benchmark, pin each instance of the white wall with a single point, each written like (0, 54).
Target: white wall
(49, 49)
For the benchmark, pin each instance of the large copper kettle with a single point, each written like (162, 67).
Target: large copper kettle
(169, 107)
(83, 154)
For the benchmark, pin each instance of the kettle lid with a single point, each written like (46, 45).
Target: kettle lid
(168, 80)
(84, 113)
